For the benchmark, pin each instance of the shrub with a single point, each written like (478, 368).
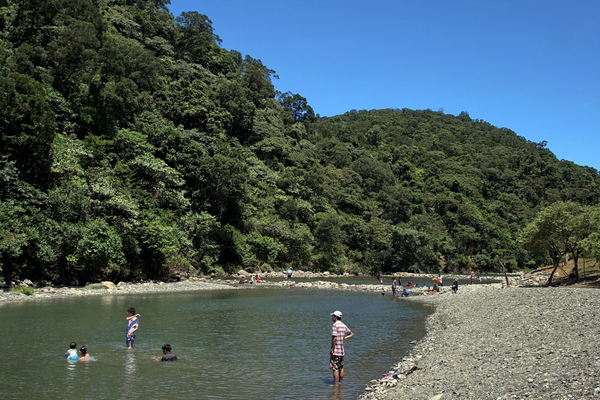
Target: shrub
(26, 290)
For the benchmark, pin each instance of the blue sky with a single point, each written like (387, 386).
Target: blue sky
(530, 66)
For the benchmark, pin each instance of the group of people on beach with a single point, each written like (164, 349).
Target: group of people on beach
(133, 324)
(397, 282)
(253, 279)
(405, 293)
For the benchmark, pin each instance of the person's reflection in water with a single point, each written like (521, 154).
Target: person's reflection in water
(72, 383)
(335, 393)
(130, 370)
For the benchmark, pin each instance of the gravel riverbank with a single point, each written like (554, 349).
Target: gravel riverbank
(191, 284)
(109, 288)
(489, 342)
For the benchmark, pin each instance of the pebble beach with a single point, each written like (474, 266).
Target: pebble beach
(496, 342)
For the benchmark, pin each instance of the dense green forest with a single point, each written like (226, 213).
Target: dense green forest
(133, 146)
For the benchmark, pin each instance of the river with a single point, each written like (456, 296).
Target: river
(258, 343)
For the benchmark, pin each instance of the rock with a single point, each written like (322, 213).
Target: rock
(108, 284)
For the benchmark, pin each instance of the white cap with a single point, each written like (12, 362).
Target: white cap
(337, 314)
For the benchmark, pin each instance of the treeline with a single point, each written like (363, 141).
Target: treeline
(133, 146)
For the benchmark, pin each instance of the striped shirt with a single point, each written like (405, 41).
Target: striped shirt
(339, 330)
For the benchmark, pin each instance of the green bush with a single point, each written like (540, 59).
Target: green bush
(26, 290)
(97, 287)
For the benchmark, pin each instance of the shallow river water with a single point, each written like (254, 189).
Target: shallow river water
(257, 343)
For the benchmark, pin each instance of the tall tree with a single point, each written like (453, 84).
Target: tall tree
(552, 232)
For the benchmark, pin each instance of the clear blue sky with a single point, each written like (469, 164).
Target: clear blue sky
(528, 65)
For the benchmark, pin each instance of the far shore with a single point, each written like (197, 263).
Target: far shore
(270, 279)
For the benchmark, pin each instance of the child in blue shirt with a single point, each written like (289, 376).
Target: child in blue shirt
(71, 354)
(133, 324)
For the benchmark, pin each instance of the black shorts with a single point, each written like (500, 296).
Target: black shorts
(336, 362)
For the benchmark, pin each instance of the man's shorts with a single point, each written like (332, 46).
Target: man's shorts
(336, 362)
(130, 339)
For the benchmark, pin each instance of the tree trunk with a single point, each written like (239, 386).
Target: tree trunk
(575, 271)
(556, 265)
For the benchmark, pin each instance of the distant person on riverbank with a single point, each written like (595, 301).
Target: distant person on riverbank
(394, 287)
(84, 355)
(455, 285)
(71, 354)
(167, 355)
(133, 324)
(380, 278)
(339, 332)
(405, 293)
(257, 278)
(436, 288)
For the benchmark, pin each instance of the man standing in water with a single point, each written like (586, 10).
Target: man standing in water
(339, 332)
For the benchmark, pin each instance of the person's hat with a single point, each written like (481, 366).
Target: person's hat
(337, 314)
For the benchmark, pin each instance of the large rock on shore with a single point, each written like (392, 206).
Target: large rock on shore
(108, 284)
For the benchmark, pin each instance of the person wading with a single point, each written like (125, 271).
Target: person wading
(339, 332)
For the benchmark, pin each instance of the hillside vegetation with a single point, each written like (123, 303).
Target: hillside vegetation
(133, 146)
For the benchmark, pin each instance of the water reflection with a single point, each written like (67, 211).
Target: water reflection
(71, 375)
(336, 393)
(130, 371)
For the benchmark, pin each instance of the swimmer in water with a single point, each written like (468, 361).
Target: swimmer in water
(84, 356)
(167, 355)
(71, 354)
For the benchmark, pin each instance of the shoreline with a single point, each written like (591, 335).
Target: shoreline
(495, 342)
(109, 288)
(194, 284)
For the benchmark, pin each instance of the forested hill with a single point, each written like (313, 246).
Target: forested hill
(133, 146)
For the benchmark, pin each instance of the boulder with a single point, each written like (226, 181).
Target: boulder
(108, 284)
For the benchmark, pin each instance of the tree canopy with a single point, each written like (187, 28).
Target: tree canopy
(133, 146)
